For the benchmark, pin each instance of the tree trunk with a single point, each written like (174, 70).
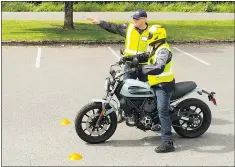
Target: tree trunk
(68, 15)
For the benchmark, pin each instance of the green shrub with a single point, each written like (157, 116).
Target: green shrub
(17, 7)
(226, 7)
(102, 6)
(50, 7)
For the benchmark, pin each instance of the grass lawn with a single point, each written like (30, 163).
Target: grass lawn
(19, 30)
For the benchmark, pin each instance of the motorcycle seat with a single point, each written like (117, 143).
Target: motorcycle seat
(182, 88)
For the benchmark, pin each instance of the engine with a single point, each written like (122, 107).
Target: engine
(149, 111)
(144, 115)
(150, 105)
(146, 121)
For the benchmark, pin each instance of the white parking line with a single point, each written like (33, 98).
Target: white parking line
(116, 55)
(38, 58)
(193, 56)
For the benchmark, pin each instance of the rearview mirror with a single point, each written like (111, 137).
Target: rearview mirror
(121, 51)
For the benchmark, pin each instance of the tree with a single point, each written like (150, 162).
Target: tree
(68, 15)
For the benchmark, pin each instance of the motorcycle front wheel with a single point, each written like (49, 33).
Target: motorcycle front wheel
(85, 124)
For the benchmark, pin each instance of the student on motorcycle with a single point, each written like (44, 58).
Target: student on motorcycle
(159, 75)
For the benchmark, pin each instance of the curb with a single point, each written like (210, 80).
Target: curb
(48, 43)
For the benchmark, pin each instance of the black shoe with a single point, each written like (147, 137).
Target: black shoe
(165, 146)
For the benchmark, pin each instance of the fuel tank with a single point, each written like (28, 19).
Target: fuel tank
(136, 88)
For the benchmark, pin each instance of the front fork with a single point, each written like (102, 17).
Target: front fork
(105, 105)
(101, 116)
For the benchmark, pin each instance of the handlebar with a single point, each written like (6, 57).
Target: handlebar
(121, 74)
(141, 57)
(133, 62)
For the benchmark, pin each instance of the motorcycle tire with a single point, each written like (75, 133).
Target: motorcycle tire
(94, 139)
(205, 123)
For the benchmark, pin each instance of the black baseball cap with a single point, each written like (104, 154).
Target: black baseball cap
(138, 14)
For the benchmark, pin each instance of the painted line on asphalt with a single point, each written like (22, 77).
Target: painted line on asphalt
(192, 56)
(37, 65)
(115, 54)
(118, 57)
(225, 110)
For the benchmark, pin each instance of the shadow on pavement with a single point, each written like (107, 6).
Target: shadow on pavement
(207, 143)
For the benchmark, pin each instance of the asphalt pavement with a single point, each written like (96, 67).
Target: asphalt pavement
(43, 85)
(116, 16)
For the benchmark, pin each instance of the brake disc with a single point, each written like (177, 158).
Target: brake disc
(197, 121)
(90, 129)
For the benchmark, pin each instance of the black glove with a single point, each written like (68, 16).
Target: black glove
(143, 57)
(125, 58)
(132, 70)
(135, 70)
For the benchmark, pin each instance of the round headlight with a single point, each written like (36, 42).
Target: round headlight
(107, 84)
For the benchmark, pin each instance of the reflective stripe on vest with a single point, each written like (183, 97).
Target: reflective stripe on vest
(167, 75)
(128, 36)
(135, 42)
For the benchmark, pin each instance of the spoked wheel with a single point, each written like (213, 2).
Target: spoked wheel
(195, 118)
(86, 120)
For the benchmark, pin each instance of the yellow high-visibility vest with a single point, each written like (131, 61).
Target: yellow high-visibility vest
(135, 43)
(167, 75)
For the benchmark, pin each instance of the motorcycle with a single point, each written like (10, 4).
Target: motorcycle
(97, 121)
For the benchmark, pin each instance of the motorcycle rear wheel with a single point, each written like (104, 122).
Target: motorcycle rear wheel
(204, 122)
(108, 124)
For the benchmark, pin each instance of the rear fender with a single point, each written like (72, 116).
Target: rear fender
(209, 94)
(200, 92)
(197, 90)
(103, 102)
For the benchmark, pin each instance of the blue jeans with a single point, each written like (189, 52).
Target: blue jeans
(163, 103)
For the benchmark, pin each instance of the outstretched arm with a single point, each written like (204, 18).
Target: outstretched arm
(110, 27)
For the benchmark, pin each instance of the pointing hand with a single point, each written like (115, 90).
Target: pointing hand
(93, 21)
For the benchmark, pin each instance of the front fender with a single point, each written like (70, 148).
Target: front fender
(103, 102)
(99, 100)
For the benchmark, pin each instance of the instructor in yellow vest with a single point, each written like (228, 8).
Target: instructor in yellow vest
(136, 35)
(159, 75)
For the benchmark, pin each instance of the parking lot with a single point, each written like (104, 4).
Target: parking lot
(43, 85)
